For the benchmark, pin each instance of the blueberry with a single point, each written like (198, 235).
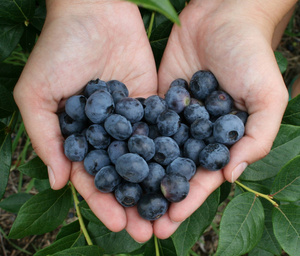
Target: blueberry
(202, 84)
(117, 96)
(69, 126)
(166, 150)
(131, 108)
(94, 85)
(97, 136)
(214, 156)
(177, 98)
(140, 128)
(180, 82)
(168, 122)
(201, 128)
(118, 127)
(75, 147)
(107, 179)
(243, 115)
(128, 194)
(228, 129)
(116, 149)
(182, 135)
(196, 101)
(75, 107)
(95, 160)
(183, 166)
(194, 111)
(152, 206)
(175, 187)
(219, 103)
(99, 106)
(154, 106)
(142, 145)
(152, 182)
(153, 131)
(132, 167)
(192, 148)
(115, 85)
(141, 100)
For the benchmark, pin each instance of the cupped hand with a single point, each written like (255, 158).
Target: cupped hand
(232, 40)
(81, 41)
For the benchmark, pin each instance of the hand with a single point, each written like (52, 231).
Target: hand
(232, 40)
(81, 42)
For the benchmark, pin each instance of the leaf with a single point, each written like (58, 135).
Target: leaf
(111, 242)
(292, 112)
(162, 6)
(287, 227)
(285, 147)
(41, 185)
(260, 252)
(241, 225)
(225, 190)
(9, 75)
(68, 229)
(5, 162)
(42, 213)
(192, 228)
(28, 38)
(7, 103)
(60, 245)
(286, 186)
(35, 168)
(39, 17)
(281, 61)
(81, 251)
(17, 11)
(87, 212)
(14, 202)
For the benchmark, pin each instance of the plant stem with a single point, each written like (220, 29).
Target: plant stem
(151, 25)
(269, 198)
(156, 246)
(81, 223)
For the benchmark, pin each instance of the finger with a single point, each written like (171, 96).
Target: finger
(138, 228)
(164, 227)
(103, 205)
(201, 186)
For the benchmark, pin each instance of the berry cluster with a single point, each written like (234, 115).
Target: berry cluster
(145, 151)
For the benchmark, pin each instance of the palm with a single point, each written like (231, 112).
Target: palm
(237, 51)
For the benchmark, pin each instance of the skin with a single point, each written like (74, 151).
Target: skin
(80, 42)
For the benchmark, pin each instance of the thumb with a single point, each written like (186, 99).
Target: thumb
(38, 109)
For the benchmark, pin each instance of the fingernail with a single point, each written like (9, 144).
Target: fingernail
(238, 170)
(51, 176)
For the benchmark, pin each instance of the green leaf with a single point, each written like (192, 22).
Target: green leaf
(42, 213)
(9, 75)
(14, 202)
(163, 6)
(41, 185)
(35, 168)
(241, 225)
(17, 11)
(28, 38)
(285, 147)
(192, 228)
(281, 61)
(7, 103)
(292, 112)
(81, 251)
(225, 190)
(260, 252)
(68, 229)
(10, 35)
(287, 228)
(60, 245)
(111, 242)
(5, 162)
(87, 212)
(286, 186)
(39, 17)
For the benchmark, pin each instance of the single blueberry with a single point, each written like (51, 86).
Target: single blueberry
(243, 115)
(75, 147)
(218, 103)
(183, 166)
(202, 84)
(95, 160)
(214, 157)
(177, 98)
(180, 82)
(166, 150)
(69, 126)
(131, 108)
(75, 107)
(194, 111)
(142, 145)
(128, 194)
(152, 206)
(153, 131)
(115, 85)
(168, 122)
(97, 136)
(201, 128)
(152, 182)
(175, 187)
(140, 128)
(116, 149)
(107, 179)
(118, 127)
(132, 167)
(154, 106)
(192, 148)
(94, 85)
(117, 96)
(228, 129)
(182, 135)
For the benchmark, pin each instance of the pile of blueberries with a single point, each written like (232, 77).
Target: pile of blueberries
(145, 151)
